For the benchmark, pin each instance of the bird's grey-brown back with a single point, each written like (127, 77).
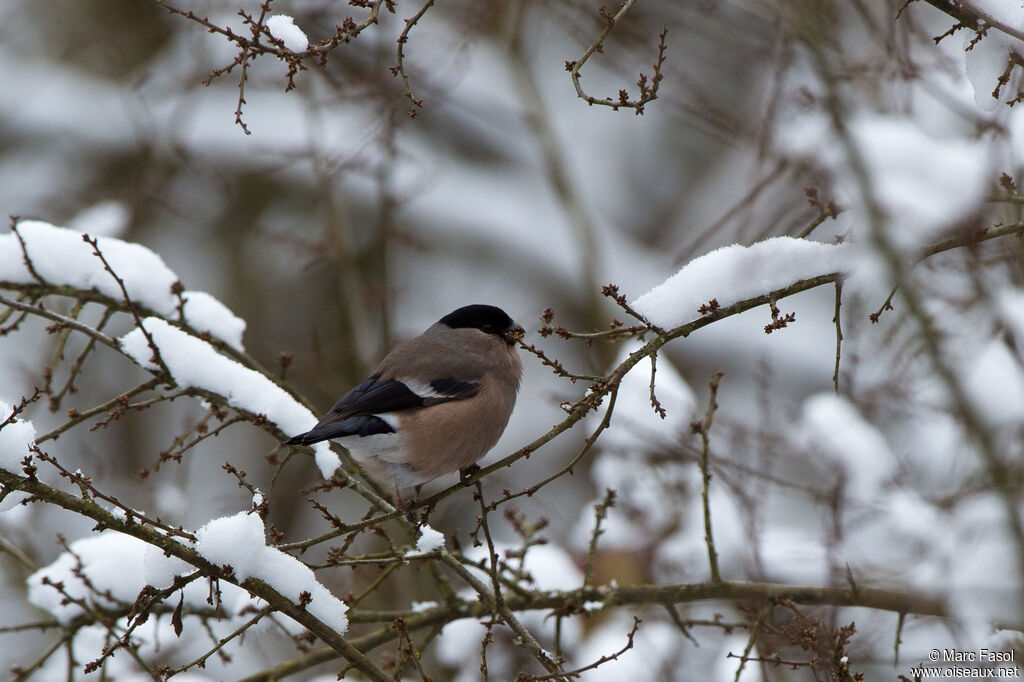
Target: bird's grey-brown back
(466, 354)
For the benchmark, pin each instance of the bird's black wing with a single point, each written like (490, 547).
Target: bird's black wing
(355, 414)
(450, 388)
(360, 425)
(374, 396)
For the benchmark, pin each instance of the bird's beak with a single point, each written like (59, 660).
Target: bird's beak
(513, 334)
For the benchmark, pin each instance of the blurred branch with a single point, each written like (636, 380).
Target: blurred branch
(973, 419)
(552, 152)
(959, 241)
(7, 547)
(826, 210)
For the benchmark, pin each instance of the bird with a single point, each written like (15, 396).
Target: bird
(435, 404)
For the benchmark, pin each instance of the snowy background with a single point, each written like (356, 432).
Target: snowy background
(340, 225)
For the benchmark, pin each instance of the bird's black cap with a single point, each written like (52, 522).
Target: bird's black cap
(486, 318)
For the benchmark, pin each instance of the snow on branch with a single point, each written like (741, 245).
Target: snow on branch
(48, 259)
(734, 273)
(38, 253)
(193, 363)
(16, 437)
(239, 541)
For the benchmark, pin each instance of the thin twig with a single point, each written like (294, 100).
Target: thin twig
(157, 359)
(530, 491)
(648, 92)
(89, 491)
(79, 362)
(959, 241)
(897, 640)
(79, 417)
(24, 253)
(600, 512)
(839, 334)
(399, 68)
(702, 428)
(201, 660)
(64, 321)
(525, 638)
(601, 661)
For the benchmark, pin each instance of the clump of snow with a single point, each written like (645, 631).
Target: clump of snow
(924, 184)
(118, 567)
(984, 63)
(105, 219)
(236, 540)
(1005, 640)
(115, 564)
(832, 427)
(150, 639)
(1011, 311)
(204, 312)
(15, 440)
(159, 570)
(170, 500)
(283, 27)
(429, 540)
(60, 256)
(978, 560)
(995, 384)
(793, 555)
(736, 273)
(196, 364)
(240, 542)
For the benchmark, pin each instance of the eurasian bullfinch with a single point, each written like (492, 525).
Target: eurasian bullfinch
(435, 404)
